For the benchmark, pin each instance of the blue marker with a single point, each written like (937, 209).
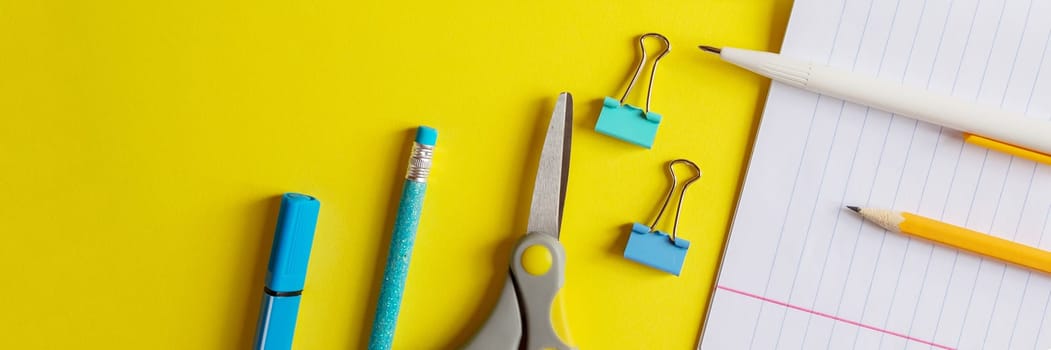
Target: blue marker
(401, 242)
(287, 271)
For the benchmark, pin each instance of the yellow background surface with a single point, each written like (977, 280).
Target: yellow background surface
(144, 144)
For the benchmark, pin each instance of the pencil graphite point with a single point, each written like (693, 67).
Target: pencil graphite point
(711, 49)
(855, 209)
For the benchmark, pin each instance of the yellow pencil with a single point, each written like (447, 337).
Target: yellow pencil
(958, 237)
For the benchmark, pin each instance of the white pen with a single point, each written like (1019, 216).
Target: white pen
(985, 126)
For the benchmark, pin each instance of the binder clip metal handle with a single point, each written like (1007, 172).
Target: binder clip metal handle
(627, 122)
(650, 247)
(682, 195)
(642, 61)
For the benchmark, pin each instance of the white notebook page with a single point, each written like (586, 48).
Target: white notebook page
(800, 272)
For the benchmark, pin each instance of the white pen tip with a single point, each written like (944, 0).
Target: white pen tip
(711, 49)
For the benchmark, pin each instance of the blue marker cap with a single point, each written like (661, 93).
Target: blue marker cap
(292, 241)
(426, 135)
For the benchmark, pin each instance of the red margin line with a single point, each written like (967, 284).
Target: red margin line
(840, 319)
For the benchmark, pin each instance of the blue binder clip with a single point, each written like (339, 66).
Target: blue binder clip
(629, 123)
(657, 249)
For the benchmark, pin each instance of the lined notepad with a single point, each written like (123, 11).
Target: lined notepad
(801, 272)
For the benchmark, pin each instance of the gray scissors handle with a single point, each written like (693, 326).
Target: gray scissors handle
(503, 329)
(536, 276)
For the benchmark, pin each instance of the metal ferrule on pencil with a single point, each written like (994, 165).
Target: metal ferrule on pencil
(420, 162)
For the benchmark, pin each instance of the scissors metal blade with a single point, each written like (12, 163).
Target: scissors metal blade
(552, 175)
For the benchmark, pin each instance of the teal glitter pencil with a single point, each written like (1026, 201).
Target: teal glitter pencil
(402, 239)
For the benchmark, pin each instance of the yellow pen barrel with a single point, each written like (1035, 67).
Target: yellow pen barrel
(977, 242)
(1007, 148)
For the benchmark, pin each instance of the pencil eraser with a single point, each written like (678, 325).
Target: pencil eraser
(656, 249)
(426, 135)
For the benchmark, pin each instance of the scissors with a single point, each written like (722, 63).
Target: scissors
(529, 313)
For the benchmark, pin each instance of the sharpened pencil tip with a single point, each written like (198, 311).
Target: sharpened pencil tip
(855, 209)
(711, 49)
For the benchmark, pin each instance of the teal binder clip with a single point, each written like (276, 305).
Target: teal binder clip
(629, 123)
(658, 249)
